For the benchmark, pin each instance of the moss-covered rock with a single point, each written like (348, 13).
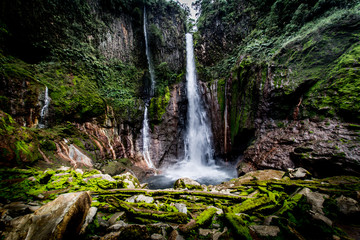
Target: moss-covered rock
(18, 145)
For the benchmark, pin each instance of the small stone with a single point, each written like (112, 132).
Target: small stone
(115, 217)
(181, 207)
(117, 226)
(216, 225)
(157, 236)
(174, 235)
(265, 231)
(218, 235)
(33, 179)
(140, 198)
(348, 206)
(102, 222)
(206, 232)
(78, 170)
(40, 196)
(298, 173)
(321, 217)
(63, 168)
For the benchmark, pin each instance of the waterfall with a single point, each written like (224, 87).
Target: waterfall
(146, 129)
(45, 109)
(198, 162)
(198, 147)
(148, 56)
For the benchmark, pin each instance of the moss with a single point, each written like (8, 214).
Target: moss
(175, 217)
(238, 225)
(250, 204)
(47, 145)
(158, 106)
(205, 217)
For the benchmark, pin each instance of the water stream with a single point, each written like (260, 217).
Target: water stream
(45, 109)
(146, 129)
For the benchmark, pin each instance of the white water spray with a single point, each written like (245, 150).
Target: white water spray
(146, 129)
(198, 163)
(45, 109)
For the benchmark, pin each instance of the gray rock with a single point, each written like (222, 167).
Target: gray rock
(348, 206)
(207, 232)
(174, 235)
(102, 223)
(265, 231)
(130, 181)
(181, 207)
(157, 236)
(63, 168)
(115, 217)
(298, 173)
(89, 217)
(63, 215)
(140, 198)
(218, 235)
(315, 199)
(106, 177)
(321, 217)
(188, 183)
(117, 226)
(216, 225)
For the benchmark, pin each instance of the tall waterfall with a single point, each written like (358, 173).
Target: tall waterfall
(198, 147)
(146, 129)
(45, 109)
(198, 162)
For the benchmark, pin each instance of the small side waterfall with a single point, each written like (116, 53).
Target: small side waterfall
(146, 129)
(45, 109)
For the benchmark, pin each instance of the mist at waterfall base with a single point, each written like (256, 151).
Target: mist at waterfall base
(198, 163)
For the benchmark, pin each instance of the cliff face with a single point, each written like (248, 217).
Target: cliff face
(91, 56)
(280, 109)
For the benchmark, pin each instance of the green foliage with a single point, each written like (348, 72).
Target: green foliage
(158, 106)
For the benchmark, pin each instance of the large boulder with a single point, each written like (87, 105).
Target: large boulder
(59, 219)
(188, 183)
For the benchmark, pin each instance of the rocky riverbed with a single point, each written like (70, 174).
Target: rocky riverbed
(269, 204)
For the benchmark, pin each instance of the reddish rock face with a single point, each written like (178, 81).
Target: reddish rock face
(324, 148)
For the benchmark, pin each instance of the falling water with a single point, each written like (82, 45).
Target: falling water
(146, 129)
(148, 56)
(198, 162)
(45, 109)
(198, 147)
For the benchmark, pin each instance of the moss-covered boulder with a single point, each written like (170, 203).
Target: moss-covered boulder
(187, 183)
